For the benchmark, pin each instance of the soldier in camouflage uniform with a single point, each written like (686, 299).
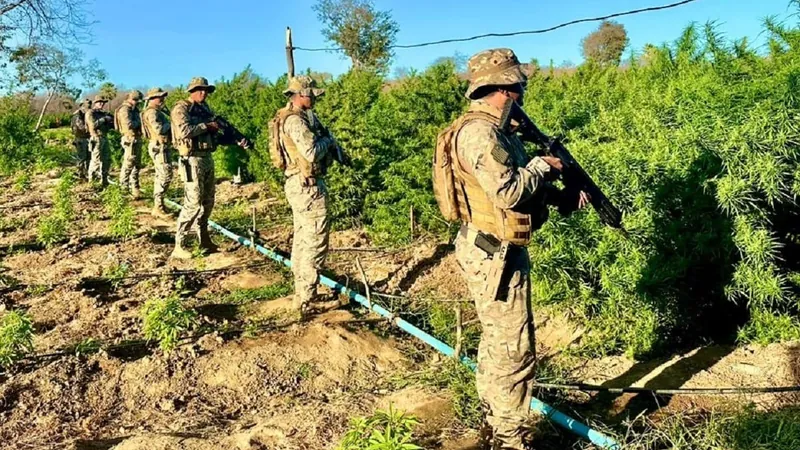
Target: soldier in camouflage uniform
(81, 138)
(193, 135)
(99, 122)
(155, 122)
(129, 123)
(504, 197)
(309, 149)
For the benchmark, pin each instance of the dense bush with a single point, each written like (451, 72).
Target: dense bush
(19, 144)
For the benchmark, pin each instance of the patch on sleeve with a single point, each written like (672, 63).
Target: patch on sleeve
(500, 155)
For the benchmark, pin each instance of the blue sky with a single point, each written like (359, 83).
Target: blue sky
(149, 42)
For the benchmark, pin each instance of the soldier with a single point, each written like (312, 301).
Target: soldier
(156, 126)
(194, 133)
(99, 122)
(80, 140)
(307, 149)
(501, 196)
(128, 121)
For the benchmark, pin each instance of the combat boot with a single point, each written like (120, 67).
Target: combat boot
(179, 252)
(205, 241)
(160, 211)
(136, 194)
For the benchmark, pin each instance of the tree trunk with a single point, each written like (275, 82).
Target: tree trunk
(44, 108)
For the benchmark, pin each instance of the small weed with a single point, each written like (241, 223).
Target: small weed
(166, 320)
(271, 292)
(51, 230)
(116, 273)
(22, 182)
(35, 290)
(384, 430)
(16, 337)
(87, 346)
(460, 381)
(122, 214)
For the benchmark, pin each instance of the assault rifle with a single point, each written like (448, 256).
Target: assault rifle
(574, 177)
(339, 154)
(229, 134)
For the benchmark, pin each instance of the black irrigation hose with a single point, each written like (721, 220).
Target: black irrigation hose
(679, 391)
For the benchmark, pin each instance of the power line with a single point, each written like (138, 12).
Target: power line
(515, 33)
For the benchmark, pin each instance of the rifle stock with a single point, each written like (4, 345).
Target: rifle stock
(573, 175)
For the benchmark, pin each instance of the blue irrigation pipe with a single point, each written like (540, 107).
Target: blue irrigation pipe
(597, 438)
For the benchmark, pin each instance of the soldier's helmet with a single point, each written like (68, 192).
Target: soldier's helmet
(200, 83)
(99, 99)
(156, 92)
(135, 96)
(494, 67)
(303, 85)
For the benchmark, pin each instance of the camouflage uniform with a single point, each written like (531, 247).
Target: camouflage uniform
(99, 122)
(157, 127)
(305, 190)
(81, 141)
(129, 124)
(195, 143)
(505, 176)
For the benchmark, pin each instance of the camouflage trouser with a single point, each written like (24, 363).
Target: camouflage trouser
(506, 354)
(82, 156)
(160, 154)
(131, 163)
(198, 198)
(310, 242)
(100, 159)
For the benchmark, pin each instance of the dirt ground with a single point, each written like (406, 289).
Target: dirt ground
(286, 386)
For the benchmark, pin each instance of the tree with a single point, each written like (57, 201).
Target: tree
(108, 91)
(605, 46)
(459, 61)
(42, 67)
(57, 21)
(364, 34)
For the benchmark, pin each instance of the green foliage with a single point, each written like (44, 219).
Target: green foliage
(123, 216)
(116, 273)
(266, 293)
(384, 430)
(746, 429)
(20, 146)
(166, 320)
(86, 347)
(460, 381)
(22, 182)
(16, 337)
(54, 227)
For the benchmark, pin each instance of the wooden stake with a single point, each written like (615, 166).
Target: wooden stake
(411, 216)
(459, 330)
(366, 282)
(289, 53)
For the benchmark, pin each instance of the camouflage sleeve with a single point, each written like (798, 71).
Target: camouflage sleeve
(151, 121)
(507, 186)
(181, 122)
(310, 146)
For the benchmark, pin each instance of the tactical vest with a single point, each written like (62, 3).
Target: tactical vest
(156, 134)
(202, 143)
(96, 115)
(293, 161)
(78, 124)
(133, 119)
(470, 203)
